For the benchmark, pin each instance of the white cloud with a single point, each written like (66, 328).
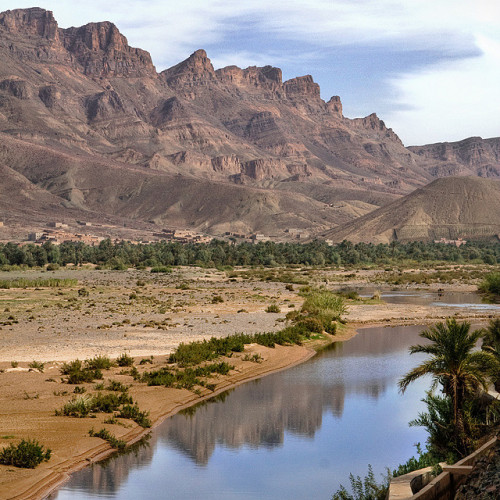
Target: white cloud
(447, 99)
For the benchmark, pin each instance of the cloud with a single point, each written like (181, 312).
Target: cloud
(441, 101)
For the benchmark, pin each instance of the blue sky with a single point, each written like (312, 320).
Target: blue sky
(429, 69)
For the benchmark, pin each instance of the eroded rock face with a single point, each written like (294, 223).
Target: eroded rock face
(101, 50)
(17, 88)
(196, 69)
(96, 49)
(34, 21)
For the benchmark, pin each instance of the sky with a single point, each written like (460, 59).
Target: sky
(429, 68)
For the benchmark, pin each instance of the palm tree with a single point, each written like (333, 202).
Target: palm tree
(454, 364)
(491, 343)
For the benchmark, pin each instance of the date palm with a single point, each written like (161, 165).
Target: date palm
(491, 343)
(454, 364)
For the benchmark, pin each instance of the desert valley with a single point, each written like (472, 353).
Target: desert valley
(166, 237)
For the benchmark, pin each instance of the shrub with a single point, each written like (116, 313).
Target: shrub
(110, 438)
(133, 413)
(124, 360)
(273, 308)
(78, 374)
(491, 284)
(217, 299)
(99, 363)
(82, 406)
(37, 365)
(27, 454)
(116, 386)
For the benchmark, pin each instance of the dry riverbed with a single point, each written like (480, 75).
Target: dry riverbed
(147, 315)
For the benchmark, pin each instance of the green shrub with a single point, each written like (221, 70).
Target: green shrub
(217, 299)
(116, 386)
(491, 284)
(27, 454)
(37, 365)
(99, 363)
(273, 308)
(134, 413)
(124, 360)
(77, 373)
(110, 438)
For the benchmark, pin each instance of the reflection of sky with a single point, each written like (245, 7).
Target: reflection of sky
(371, 427)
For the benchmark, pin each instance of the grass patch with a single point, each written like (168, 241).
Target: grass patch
(38, 282)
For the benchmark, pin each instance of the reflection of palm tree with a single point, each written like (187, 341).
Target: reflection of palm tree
(491, 343)
(452, 363)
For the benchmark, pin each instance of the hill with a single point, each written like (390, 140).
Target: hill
(451, 208)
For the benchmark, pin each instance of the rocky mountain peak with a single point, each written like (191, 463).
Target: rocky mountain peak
(102, 50)
(32, 21)
(301, 86)
(195, 69)
(267, 77)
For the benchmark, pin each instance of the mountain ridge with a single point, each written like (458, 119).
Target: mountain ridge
(87, 97)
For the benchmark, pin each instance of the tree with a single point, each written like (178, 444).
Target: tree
(491, 344)
(455, 365)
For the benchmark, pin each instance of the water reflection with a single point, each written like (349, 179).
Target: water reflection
(311, 424)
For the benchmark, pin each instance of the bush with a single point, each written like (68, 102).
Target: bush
(273, 308)
(99, 363)
(78, 374)
(491, 284)
(27, 454)
(133, 413)
(125, 360)
(110, 438)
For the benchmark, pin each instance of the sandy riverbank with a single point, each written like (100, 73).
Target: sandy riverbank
(29, 398)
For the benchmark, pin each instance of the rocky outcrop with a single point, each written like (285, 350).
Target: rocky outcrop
(96, 49)
(472, 156)
(266, 78)
(104, 105)
(195, 70)
(17, 88)
(99, 49)
(30, 22)
(301, 86)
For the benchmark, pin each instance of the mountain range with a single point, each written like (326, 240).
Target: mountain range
(90, 130)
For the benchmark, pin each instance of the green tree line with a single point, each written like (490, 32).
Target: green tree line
(222, 253)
